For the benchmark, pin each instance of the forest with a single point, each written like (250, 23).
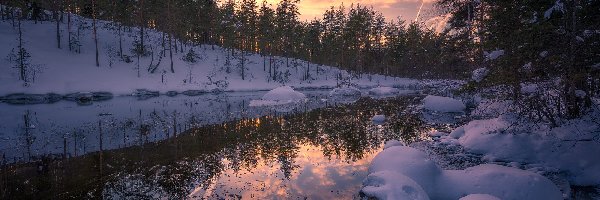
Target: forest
(550, 42)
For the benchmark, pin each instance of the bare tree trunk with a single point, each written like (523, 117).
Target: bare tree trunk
(171, 52)
(21, 53)
(95, 31)
(57, 14)
(142, 25)
(69, 28)
(120, 41)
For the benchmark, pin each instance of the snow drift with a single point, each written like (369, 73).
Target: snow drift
(405, 172)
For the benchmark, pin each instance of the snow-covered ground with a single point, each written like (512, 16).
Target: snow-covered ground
(529, 160)
(62, 71)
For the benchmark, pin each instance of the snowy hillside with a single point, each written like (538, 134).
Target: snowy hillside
(63, 71)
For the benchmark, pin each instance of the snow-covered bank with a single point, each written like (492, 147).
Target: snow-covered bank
(400, 172)
(64, 72)
(500, 153)
(571, 148)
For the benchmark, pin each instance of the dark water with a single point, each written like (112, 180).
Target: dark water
(315, 151)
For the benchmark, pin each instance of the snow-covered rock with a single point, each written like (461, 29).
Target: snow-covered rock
(443, 104)
(381, 91)
(345, 91)
(378, 119)
(279, 96)
(480, 74)
(494, 180)
(493, 55)
(392, 185)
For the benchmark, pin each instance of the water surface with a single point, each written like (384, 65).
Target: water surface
(208, 147)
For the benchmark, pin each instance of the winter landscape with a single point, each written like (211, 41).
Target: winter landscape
(288, 99)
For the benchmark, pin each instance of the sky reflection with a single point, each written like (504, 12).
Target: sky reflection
(315, 176)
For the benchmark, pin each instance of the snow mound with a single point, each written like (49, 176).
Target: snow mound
(345, 91)
(480, 74)
(568, 148)
(410, 162)
(378, 119)
(399, 166)
(479, 197)
(443, 104)
(391, 185)
(279, 96)
(380, 91)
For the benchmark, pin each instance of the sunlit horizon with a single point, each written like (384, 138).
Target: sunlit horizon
(391, 9)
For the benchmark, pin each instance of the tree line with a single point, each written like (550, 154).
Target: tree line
(356, 38)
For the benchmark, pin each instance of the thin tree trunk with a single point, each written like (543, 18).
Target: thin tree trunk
(69, 28)
(171, 52)
(95, 31)
(142, 25)
(21, 56)
(57, 29)
(120, 41)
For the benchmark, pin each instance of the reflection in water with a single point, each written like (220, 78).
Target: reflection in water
(320, 154)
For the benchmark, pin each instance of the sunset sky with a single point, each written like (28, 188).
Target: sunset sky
(391, 9)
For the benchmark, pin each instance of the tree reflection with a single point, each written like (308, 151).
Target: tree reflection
(192, 161)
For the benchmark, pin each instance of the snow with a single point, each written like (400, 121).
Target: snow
(569, 148)
(479, 197)
(391, 143)
(71, 72)
(392, 185)
(493, 55)
(378, 119)
(480, 74)
(383, 91)
(345, 91)
(508, 183)
(443, 104)
(279, 96)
